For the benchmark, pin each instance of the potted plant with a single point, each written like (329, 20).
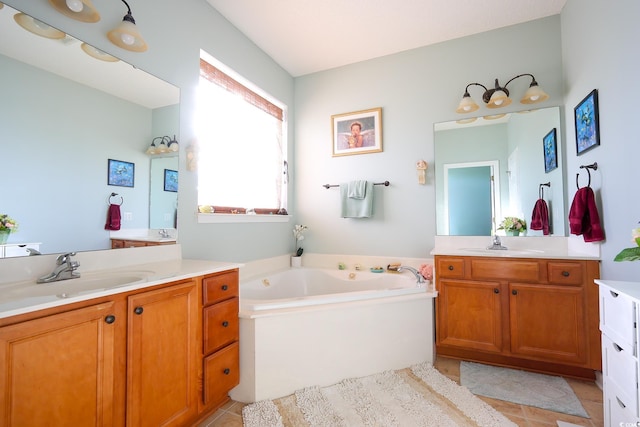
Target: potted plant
(298, 234)
(7, 226)
(513, 226)
(633, 253)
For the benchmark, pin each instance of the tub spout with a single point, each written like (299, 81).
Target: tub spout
(419, 278)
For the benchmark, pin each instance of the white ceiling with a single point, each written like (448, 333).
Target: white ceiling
(306, 36)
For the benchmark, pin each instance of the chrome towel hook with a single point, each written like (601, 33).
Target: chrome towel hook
(593, 166)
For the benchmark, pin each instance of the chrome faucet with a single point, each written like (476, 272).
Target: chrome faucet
(419, 278)
(164, 234)
(496, 244)
(65, 269)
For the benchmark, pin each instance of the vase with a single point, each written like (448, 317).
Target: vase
(4, 235)
(512, 232)
(296, 261)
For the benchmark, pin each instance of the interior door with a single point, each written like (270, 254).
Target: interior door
(470, 201)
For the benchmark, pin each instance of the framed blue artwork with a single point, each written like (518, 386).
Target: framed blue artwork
(587, 123)
(120, 173)
(550, 151)
(170, 180)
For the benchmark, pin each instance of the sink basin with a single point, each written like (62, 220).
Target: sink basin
(67, 288)
(503, 252)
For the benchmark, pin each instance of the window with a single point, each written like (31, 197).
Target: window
(242, 146)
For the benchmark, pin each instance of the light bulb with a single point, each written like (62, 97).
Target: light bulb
(127, 39)
(75, 5)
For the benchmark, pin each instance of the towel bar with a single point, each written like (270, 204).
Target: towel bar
(386, 184)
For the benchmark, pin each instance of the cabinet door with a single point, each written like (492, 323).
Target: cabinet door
(469, 315)
(162, 354)
(59, 369)
(548, 322)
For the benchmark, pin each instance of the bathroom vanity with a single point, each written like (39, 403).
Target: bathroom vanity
(519, 310)
(160, 351)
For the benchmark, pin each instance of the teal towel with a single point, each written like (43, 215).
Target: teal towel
(357, 189)
(356, 208)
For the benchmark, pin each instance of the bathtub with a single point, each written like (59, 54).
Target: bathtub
(303, 327)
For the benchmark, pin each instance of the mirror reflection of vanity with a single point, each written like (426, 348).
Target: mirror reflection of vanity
(63, 115)
(493, 167)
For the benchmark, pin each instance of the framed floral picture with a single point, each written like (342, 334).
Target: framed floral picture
(120, 173)
(587, 123)
(550, 151)
(359, 132)
(170, 180)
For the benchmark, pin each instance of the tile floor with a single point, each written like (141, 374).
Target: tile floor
(589, 394)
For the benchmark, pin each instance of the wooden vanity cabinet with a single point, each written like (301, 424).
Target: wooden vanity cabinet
(536, 314)
(123, 243)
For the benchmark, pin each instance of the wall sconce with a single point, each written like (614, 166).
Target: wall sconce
(97, 53)
(126, 34)
(38, 28)
(498, 97)
(165, 145)
(80, 10)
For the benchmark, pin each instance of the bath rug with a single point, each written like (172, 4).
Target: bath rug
(522, 387)
(416, 396)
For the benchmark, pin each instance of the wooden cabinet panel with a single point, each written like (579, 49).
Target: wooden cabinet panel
(450, 267)
(470, 315)
(162, 356)
(220, 287)
(547, 322)
(493, 269)
(59, 369)
(221, 374)
(565, 273)
(221, 325)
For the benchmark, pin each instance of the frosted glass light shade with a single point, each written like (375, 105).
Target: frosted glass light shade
(534, 95)
(467, 105)
(499, 99)
(37, 27)
(80, 10)
(127, 37)
(97, 53)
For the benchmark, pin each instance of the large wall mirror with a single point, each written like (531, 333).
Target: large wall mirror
(491, 167)
(63, 115)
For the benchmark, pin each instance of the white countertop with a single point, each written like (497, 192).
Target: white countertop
(24, 296)
(630, 289)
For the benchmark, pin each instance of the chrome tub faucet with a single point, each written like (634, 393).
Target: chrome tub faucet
(419, 277)
(65, 269)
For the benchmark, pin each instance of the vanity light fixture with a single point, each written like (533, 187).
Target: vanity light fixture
(80, 10)
(498, 97)
(37, 27)
(97, 53)
(165, 145)
(126, 34)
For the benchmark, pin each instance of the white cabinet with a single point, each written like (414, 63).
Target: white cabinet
(17, 249)
(619, 316)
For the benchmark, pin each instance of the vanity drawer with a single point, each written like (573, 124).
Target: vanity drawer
(221, 325)
(497, 269)
(220, 287)
(450, 267)
(564, 273)
(618, 319)
(621, 367)
(221, 373)
(620, 408)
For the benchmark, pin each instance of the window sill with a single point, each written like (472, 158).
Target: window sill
(214, 218)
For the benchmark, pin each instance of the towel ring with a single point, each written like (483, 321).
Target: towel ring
(593, 166)
(112, 195)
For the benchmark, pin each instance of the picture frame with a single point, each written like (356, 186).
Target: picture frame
(170, 180)
(587, 123)
(550, 148)
(120, 173)
(366, 139)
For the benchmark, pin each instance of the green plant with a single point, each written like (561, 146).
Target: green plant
(7, 223)
(512, 223)
(631, 254)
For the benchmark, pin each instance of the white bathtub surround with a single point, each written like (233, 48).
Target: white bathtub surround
(326, 338)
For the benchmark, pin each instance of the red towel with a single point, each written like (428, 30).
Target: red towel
(540, 217)
(583, 216)
(113, 218)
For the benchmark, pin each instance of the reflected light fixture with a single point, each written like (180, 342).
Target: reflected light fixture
(173, 145)
(126, 34)
(97, 53)
(80, 10)
(498, 97)
(37, 27)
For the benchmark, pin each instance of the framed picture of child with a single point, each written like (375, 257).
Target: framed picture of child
(359, 132)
